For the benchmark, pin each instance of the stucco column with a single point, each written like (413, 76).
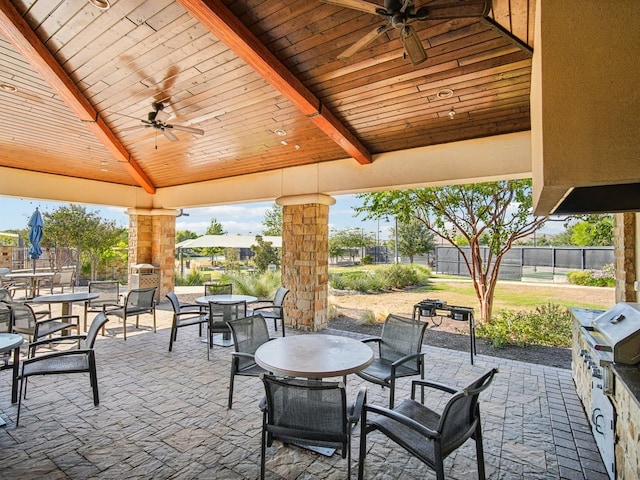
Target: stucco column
(152, 239)
(305, 259)
(625, 251)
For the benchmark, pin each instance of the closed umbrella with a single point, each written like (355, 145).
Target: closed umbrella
(35, 236)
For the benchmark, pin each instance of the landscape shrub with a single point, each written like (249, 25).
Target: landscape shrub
(262, 285)
(593, 278)
(548, 325)
(382, 278)
(194, 277)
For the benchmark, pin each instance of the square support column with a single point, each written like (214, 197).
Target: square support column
(152, 235)
(305, 259)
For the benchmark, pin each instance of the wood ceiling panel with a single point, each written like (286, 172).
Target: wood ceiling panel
(141, 51)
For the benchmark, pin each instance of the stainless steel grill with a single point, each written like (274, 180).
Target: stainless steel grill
(615, 335)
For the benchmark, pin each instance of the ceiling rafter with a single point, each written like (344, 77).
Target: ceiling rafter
(27, 43)
(222, 23)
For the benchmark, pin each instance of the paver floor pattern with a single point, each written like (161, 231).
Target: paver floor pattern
(163, 415)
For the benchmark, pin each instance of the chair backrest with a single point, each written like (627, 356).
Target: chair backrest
(248, 334)
(6, 323)
(236, 310)
(5, 295)
(306, 409)
(97, 323)
(461, 413)
(24, 320)
(109, 291)
(173, 300)
(401, 336)
(141, 297)
(278, 299)
(218, 288)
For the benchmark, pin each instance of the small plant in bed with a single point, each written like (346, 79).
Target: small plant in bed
(379, 279)
(548, 325)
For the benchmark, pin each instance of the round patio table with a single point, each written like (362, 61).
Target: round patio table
(227, 302)
(33, 278)
(314, 356)
(8, 342)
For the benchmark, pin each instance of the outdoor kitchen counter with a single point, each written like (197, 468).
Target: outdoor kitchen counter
(629, 375)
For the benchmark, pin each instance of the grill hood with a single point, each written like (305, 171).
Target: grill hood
(618, 331)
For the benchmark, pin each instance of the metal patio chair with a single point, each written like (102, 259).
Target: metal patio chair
(217, 318)
(75, 360)
(399, 353)
(137, 302)
(248, 334)
(25, 321)
(426, 434)
(308, 413)
(184, 314)
(274, 308)
(109, 291)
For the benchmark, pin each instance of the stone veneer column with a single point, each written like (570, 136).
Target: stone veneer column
(152, 239)
(624, 241)
(305, 259)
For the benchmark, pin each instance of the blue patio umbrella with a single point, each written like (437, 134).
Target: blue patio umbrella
(35, 236)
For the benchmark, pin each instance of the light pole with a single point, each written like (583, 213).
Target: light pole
(378, 242)
(396, 260)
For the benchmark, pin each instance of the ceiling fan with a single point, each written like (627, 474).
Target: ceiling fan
(400, 13)
(158, 119)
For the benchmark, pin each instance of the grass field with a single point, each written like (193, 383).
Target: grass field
(509, 295)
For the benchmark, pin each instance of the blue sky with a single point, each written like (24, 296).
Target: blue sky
(238, 219)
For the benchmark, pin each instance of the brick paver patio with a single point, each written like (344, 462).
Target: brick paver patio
(163, 416)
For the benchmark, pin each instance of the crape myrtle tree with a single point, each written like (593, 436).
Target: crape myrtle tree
(498, 213)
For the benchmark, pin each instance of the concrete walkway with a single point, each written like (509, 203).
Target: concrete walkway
(163, 416)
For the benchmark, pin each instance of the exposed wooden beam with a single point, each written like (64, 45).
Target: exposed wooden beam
(27, 43)
(222, 23)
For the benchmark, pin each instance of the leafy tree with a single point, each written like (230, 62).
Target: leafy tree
(592, 231)
(74, 226)
(265, 254)
(351, 239)
(182, 235)
(586, 231)
(273, 221)
(501, 211)
(214, 228)
(414, 239)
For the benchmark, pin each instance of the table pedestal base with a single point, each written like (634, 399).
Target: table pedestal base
(327, 452)
(221, 341)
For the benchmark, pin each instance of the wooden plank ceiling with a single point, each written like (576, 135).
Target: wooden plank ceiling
(260, 77)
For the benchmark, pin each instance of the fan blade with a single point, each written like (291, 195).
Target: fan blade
(169, 134)
(195, 131)
(412, 45)
(458, 9)
(364, 41)
(162, 116)
(356, 5)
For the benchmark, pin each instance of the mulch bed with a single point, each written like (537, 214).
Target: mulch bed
(537, 354)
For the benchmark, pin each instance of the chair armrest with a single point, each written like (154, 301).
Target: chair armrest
(189, 305)
(372, 339)
(61, 317)
(429, 384)
(355, 412)
(406, 421)
(62, 338)
(263, 404)
(267, 307)
(192, 312)
(65, 353)
(242, 355)
(406, 359)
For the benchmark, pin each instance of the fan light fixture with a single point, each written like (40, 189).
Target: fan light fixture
(444, 93)
(452, 113)
(280, 132)
(101, 4)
